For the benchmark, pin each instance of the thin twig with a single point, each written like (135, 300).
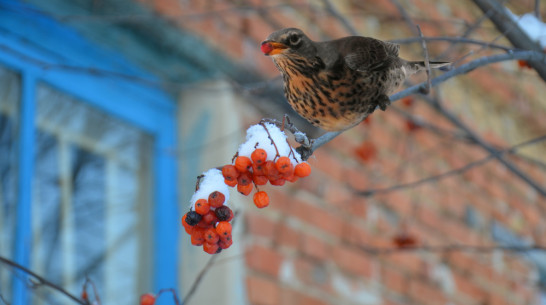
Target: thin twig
(427, 61)
(198, 280)
(455, 40)
(41, 280)
(344, 21)
(405, 16)
(487, 147)
(451, 248)
(453, 172)
(173, 292)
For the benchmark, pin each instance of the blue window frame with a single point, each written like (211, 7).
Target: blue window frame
(53, 64)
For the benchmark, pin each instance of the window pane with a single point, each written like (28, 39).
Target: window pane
(91, 201)
(9, 105)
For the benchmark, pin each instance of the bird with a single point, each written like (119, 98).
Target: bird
(336, 84)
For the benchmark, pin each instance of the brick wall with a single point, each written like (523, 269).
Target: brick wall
(312, 245)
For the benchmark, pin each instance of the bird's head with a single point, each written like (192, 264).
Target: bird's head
(288, 41)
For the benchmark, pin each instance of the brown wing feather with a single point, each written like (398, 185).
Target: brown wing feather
(367, 54)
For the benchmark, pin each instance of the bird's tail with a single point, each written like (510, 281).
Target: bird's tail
(420, 65)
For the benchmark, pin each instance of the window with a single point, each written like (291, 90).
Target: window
(9, 97)
(91, 199)
(87, 171)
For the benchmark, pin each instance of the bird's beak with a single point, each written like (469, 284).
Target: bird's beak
(272, 48)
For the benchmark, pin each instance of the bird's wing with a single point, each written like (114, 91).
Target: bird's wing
(367, 54)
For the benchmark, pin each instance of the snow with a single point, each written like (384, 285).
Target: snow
(212, 181)
(532, 26)
(257, 137)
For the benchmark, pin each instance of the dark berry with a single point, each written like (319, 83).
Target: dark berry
(193, 218)
(223, 213)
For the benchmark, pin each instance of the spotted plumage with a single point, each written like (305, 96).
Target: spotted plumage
(337, 84)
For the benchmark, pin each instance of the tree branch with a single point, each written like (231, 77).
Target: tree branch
(41, 280)
(453, 172)
(504, 23)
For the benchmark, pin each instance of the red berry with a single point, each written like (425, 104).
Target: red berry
(302, 169)
(192, 218)
(366, 151)
(211, 236)
(244, 179)
(278, 182)
(245, 189)
(202, 206)
(225, 243)
(292, 178)
(284, 166)
(216, 199)
(408, 101)
(258, 156)
(261, 199)
(231, 183)
(147, 299)
(197, 237)
(211, 248)
(260, 179)
(84, 295)
(223, 229)
(224, 213)
(412, 126)
(185, 224)
(229, 172)
(208, 220)
(258, 169)
(524, 64)
(243, 164)
(272, 171)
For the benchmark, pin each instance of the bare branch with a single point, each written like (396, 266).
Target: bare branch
(454, 40)
(427, 60)
(452, 248)
(453, 172)
(334, 12)
(486, 146)
(404, 13)
(512, 31)
(41, 280)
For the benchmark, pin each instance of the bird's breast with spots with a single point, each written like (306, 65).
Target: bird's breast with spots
(327, 99)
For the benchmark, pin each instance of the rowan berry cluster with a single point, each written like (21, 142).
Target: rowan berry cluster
(265, 157)
(247, 172)
(208, 221)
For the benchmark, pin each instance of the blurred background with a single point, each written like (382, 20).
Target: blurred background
(110, 109)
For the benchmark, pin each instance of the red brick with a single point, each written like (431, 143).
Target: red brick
(357, 178)
(287, 236)
(325, 162)
(426, 293)
(309, 300)
(262, 291)
(336, 194)
(315, 248)
(259, 225)
(325, 220)
(294, 297)
(394, 280)
(353, 261)
(411, 262)
(466, 285)
(264, 260)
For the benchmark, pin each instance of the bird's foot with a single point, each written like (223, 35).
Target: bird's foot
(383, 102)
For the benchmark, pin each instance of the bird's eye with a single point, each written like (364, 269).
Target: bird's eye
(294, 39)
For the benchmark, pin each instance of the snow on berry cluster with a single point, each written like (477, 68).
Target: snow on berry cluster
(208, 221)
(265, 156)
